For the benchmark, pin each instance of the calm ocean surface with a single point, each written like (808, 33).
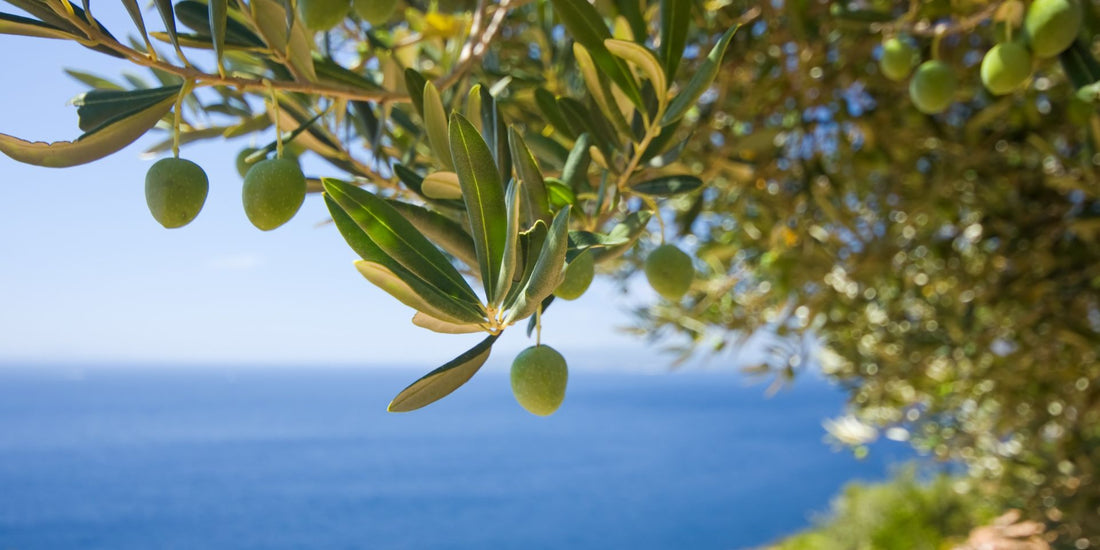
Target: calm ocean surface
(287, 458)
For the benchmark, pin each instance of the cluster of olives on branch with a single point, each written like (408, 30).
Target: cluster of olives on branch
(1049, 28)
(273, 191)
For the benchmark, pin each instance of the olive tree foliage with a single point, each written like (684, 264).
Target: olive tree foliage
(945, 269)
(481, 144)
(942, 267)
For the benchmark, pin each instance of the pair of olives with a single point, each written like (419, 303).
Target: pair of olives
(1050, 26)
(273, 191)
(668, 269)
(322, 15)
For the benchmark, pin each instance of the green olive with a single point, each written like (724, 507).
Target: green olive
(669, 271)
(897, 59)
(933, 87)
(1051, 26)
(273, 192)
(322, 15)
(539, 376)
(175, 190)
(375, 12)
(1005, 67)
(578, 275)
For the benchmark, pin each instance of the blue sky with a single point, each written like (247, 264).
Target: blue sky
(87, 275)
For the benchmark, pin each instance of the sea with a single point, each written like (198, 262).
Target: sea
(273, 458)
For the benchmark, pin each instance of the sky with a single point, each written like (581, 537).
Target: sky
(87, 276)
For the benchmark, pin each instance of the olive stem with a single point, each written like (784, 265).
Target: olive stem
(275, 111)
(177, 116)
(538, 325)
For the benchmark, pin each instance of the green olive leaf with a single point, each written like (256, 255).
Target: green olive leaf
(443, 231)
(483, 194)
(675, 23)
(218, 14)
(548, 106)
(415, 82)
(423, 320)
(587, 27)
(108, 137)
(667, 186)
(386, 273)
(546, 275)
(399, 239)
(97, 108)
(530, 246)
(25, 26)
(435, 123)
(511, 243)
(644, 59)
(700, 81)
(442, 381)
(575, 172)
(536, 205)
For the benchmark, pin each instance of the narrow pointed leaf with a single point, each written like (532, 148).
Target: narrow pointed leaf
(139, 21)
(473, 106)
(399, 239)
(631, 11)
(550, 152)
(537, 204)
(98, 107)
(559, 194)
(530, 246)
(300, 52)
(667, 186)
(511, 243)
(423, 320)
(25, 26)
(642, 58)
(443, 231)
(700, 81)
(548, 106)
(103, 140)
(409, 291)
(575, 173)
(483, 194)
(442, 381)
(415, 82)
(218, 15)
(385, 273)
(598, 89)
(270, 18)
(587, 27)
(435, 123)
(547, 273)
(675, 23)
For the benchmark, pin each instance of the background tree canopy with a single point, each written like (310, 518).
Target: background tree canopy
(939, 262)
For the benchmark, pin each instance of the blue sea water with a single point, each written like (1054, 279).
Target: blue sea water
(298, 458)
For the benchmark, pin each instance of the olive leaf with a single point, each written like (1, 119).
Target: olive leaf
(548, 106)
(599, 90)
(575, 172)
(415, 82)
(700, 81)
(483, 194)
(443, 231)
(386, 273)
(107, 137)
(675, 22)
(25, 26)
(667, 186)
(587, 27)
(218, 14)
(511, 243)
(537, 205)
(395, 236)
(423, 320)
(442, 381)
(435, 122)
(96, 108)
(546, 274)
(642, 58)
(625, 233)
(167, 15)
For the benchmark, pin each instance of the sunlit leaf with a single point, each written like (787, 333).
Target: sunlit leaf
(700, 81)
(483, 193)
(667, 186)
(107, 137)
(442, 381)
